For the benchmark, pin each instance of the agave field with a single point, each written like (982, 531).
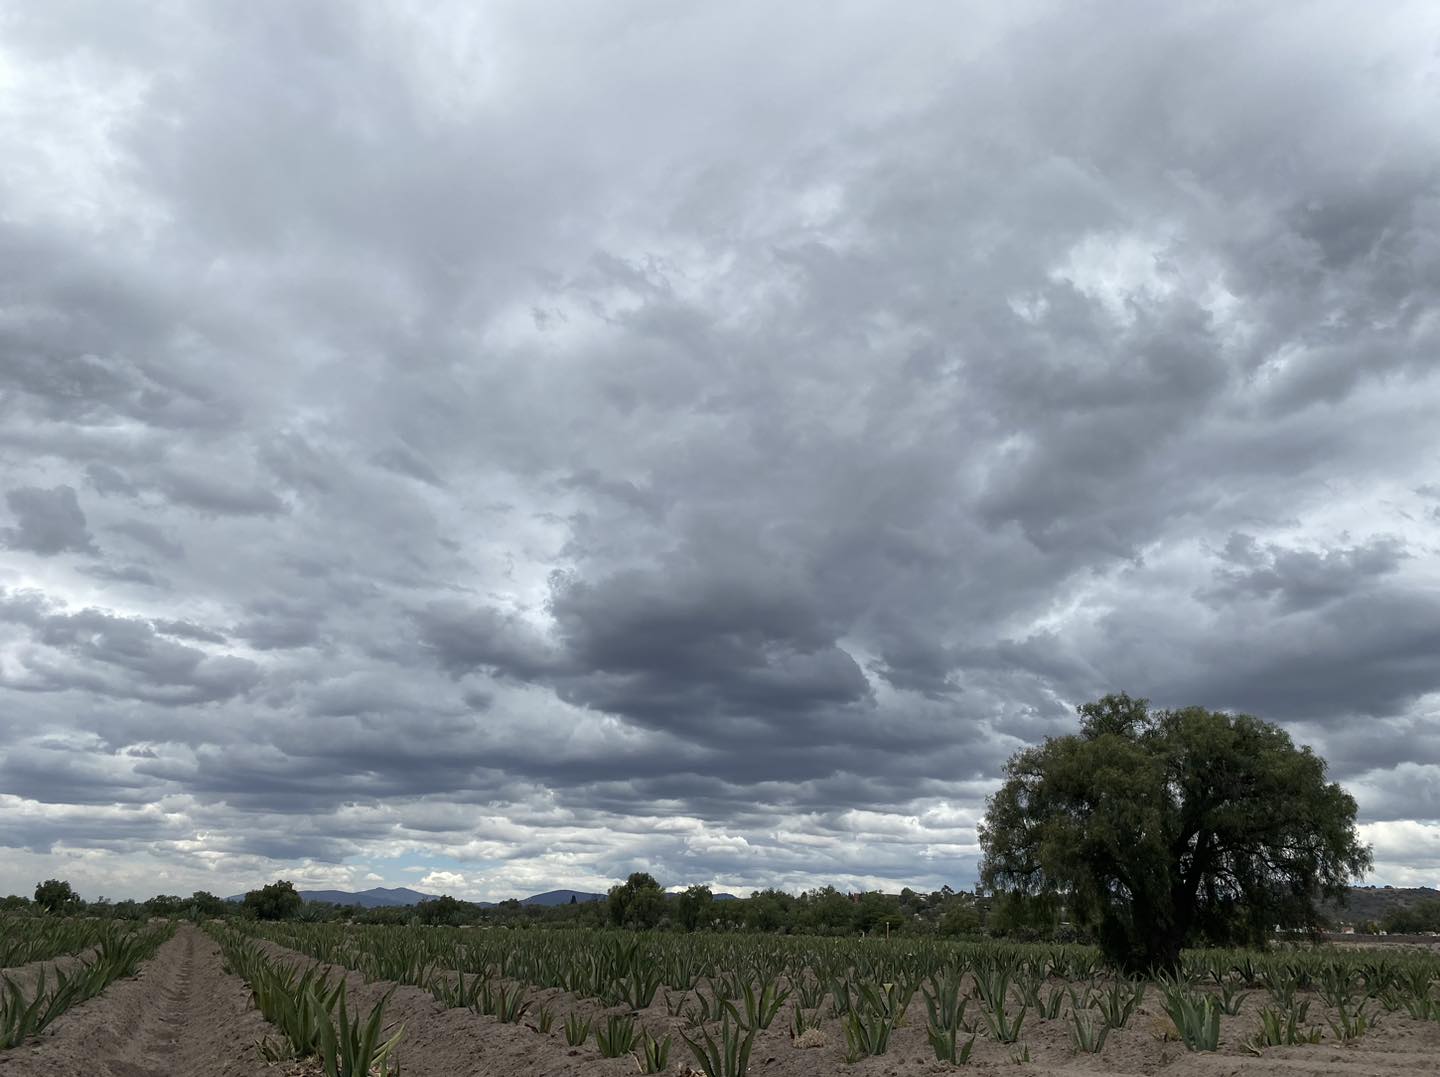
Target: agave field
(34, 991)
(344, 1000)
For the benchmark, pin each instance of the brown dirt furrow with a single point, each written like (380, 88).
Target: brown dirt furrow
(1318, 1060)
(182, 1015)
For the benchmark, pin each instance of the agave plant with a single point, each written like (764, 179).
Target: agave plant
(1283, 1028)
(616, 1036)
(653, 1054)
(945, 1043)
(355, 1049)
(1352, 1024)
(1120, 1001)
(1085, 1036)
(727, 1055)
(1196, 1018)
(760, 1006)
(867, 1034)
(577, 1029)
(24, 1015)
(800, 1023)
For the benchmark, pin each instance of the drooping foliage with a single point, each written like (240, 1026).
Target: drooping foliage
(1162, 829)
(276, 901)
(56, 895)
(637, 902)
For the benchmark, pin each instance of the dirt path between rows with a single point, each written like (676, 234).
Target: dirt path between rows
(182, 1015)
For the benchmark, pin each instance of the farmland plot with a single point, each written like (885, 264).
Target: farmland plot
(563, 1003)
(538, 1002)
(28, 939)
(35, 995)
(180, 1015)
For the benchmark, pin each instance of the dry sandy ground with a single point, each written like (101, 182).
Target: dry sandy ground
(185, 1017)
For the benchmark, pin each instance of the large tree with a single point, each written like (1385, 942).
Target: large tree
(1170, 828)
(692, 907)
(637, 902)
(57, 896)
(277, 901)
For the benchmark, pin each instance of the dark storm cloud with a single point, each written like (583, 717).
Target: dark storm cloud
(276, 625)
(60, 774)
(124, 574)
(692, 645)
(1370, 655)
(1301, 579)
(48, 522)
(186, 630)
(124, 830)
(407, 454)
(150, 537)
(108, 480)
(463, 638)
(210, 493)
(121, 657)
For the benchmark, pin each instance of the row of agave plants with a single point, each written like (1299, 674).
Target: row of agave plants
(727, 989)
(311, 1013)
(27, 1011)
(39, 938)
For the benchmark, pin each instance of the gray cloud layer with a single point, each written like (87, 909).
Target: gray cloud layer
(525, 446)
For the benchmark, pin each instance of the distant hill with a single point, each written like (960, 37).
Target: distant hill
(561, 897)
(380, 897)
(1373, 902)
(377, 898)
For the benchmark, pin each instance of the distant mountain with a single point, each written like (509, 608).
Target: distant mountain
(377, 898)
(561, 897)
(380, 897)
(1373, 902)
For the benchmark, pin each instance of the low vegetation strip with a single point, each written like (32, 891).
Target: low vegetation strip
(26, 1012)
(24, 939)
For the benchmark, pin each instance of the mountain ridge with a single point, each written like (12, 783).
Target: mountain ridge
(381, 897)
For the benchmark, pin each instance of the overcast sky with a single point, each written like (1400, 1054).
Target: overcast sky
(497, 446)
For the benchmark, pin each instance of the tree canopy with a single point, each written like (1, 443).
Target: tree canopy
(637, 902)
(693, 906)
(277, 901)
(56, 895)
(1170, 828)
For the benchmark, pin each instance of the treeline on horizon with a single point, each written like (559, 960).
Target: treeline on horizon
(641, 904)
(638, 904)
